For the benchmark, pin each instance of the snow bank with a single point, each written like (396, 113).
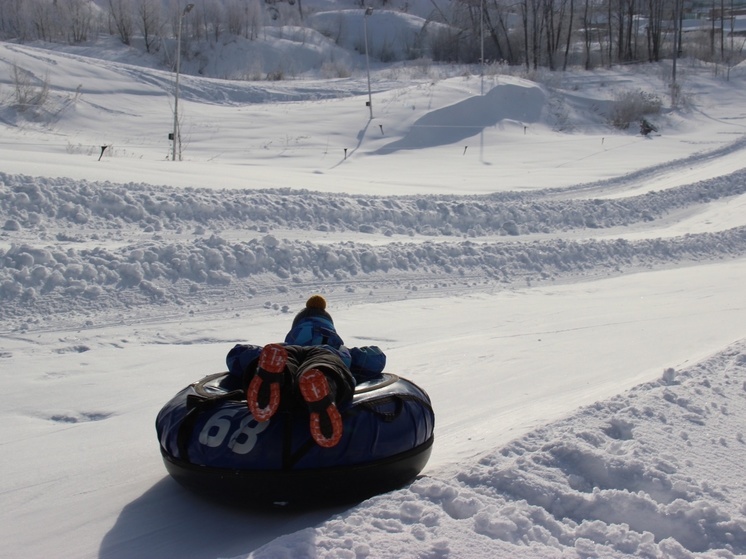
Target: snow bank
(71, 244)
(392, 35)
(627, 477)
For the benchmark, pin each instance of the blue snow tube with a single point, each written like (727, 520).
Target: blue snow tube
(211, 443)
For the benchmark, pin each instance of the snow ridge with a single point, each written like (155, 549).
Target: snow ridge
(29, 201)
(237, 245)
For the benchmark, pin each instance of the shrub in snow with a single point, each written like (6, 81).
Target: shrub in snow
(631, 106)
(335, 69)
(31, 92)
(12, 225)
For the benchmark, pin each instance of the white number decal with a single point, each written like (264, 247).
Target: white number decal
(242, 441)
(216, 429)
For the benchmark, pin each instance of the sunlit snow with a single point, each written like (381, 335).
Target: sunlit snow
(571, 296)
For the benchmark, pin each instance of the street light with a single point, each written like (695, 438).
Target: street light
(176, 134)
(368, 11)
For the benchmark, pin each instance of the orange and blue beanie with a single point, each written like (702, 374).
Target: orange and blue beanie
(314, 326)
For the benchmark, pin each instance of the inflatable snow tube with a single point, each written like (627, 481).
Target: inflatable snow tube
(212, 444)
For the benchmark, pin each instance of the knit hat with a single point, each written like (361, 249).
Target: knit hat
(315, 306)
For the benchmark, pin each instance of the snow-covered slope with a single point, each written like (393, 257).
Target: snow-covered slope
(570, 296)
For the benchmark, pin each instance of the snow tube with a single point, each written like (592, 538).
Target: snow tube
(211, 443)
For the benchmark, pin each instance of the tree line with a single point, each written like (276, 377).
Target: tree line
(534, 33)
(555, 33)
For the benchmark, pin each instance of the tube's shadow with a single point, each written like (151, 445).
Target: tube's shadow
(169, 521)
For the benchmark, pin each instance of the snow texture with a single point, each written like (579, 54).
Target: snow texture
(571, 296)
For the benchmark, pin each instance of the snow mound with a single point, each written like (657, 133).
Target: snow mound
(507, 103)
(392, 35)
(627, 477)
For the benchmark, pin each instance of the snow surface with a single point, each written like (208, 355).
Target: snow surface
(571, 297)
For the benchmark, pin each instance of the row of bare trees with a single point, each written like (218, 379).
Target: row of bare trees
(555, 33)
(534, 33)
(75, 21)
(58, 20)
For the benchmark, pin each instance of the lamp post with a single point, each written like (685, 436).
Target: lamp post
(176, 138)
(368, 11)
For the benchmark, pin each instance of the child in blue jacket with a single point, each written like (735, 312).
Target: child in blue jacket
(316, 366)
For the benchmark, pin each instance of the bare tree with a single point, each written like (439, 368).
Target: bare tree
(255, 19)
(655, 29)
(499, 29)
(556, 23)
(528, 18)
(587, 40)
(14, 19)
(121, 13)
(44, 19)
(552, 34)
(77, 18)
(150, 22)
(569, 34)
(236, 15)
(213, 18)
(722, 29)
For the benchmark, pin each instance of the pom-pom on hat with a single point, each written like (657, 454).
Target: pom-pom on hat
(315, 306)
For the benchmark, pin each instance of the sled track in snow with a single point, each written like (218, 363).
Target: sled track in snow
(680, 167)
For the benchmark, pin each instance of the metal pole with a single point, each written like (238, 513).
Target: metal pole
(368, 11)
(176, 138)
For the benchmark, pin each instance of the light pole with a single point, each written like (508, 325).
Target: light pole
(176, 134)
(368, 11)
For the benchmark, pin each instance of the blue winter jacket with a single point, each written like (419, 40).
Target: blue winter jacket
(364, 362)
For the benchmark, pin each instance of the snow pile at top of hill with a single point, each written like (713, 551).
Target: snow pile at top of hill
(627, 477)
